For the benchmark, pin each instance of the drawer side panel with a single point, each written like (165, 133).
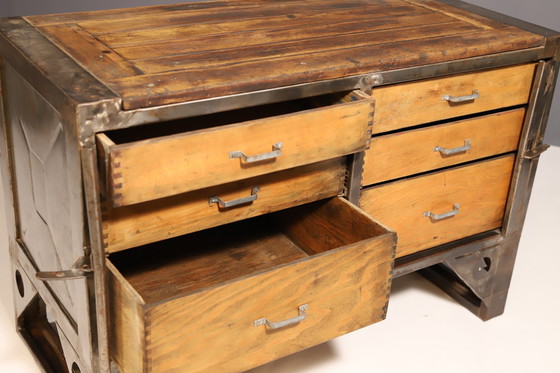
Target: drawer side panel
(127, 333)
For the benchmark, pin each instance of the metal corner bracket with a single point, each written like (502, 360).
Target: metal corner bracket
(80, 269)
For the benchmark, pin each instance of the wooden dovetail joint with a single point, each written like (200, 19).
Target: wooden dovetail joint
(390, 278)
(104, 225)
(147, 339)
(116, 178)
(345, 179)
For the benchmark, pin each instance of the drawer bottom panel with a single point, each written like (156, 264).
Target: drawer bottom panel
(314, 272)
(441, 207)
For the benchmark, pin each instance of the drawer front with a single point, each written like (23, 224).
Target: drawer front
(409, 104)
(140, 224)
(160, 167)
(474, 196)
(220, 328)
(406, 153)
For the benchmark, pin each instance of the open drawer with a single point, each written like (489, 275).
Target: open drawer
(147, 163)
(237, 296)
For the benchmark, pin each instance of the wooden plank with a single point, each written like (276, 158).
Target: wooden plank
(481, 190)
(182, 266)
(140, 224)
(111, 14)
(187, 40)
(94, 56)
(164, 166)
(345, 290)
(238, 55)
(204, 260)
(457, 13)
(405, 153)
(157, 89)
(273, 9)
(409, 104)
(177, 35)
(347, 224)
(126, 315)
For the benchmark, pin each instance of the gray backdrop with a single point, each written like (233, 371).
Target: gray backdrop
(543, 12)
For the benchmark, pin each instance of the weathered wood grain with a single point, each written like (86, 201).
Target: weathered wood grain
(457, 13)
(233, 12)
(318, 234)
(204, 259)
(406, 153)
(231, 57)
(149, 90)
(126, 315)
(140, 224)
(242, 46)
(481, 190)
(409, 104)
(253, 28)
(203, 330)
(102, 61)
(206, 37)
(163, 166)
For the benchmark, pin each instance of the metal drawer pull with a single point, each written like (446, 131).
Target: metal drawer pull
(445, 215)
(275, 153)
(284, 323)
(471, 97)
(461, 149)
(235, 202)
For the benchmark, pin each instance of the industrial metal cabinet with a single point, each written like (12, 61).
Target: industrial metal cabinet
(263, 128)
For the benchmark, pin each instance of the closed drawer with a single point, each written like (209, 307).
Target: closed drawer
(474, 197)
(406, 153)
(409, 104)
(143, 223)
(161, 166)
(197, 303)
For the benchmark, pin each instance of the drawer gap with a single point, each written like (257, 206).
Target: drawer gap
(465, 164)
(169, 128)
(454, 119)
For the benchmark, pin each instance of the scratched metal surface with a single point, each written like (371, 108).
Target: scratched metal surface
(49, 218)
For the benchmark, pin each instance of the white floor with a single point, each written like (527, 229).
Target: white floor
(425, 331)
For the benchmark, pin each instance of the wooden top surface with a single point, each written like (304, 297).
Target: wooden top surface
(167, 54)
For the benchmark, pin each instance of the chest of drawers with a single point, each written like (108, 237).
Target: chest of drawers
(211, 186)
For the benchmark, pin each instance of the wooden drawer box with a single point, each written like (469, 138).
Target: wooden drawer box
(142, 223)
(144, 165)
(410, 104)
(473, 197)
(193, 303)
(411, 152)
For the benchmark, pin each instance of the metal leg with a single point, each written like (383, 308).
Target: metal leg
(470, 279)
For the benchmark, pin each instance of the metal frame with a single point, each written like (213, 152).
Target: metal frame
(479, 277)
(99, 109)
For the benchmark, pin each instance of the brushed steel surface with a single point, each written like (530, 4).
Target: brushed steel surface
(48, 201)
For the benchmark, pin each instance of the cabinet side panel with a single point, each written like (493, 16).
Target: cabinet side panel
(49, 224)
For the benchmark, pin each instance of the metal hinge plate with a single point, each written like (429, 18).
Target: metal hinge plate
(536, 152)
